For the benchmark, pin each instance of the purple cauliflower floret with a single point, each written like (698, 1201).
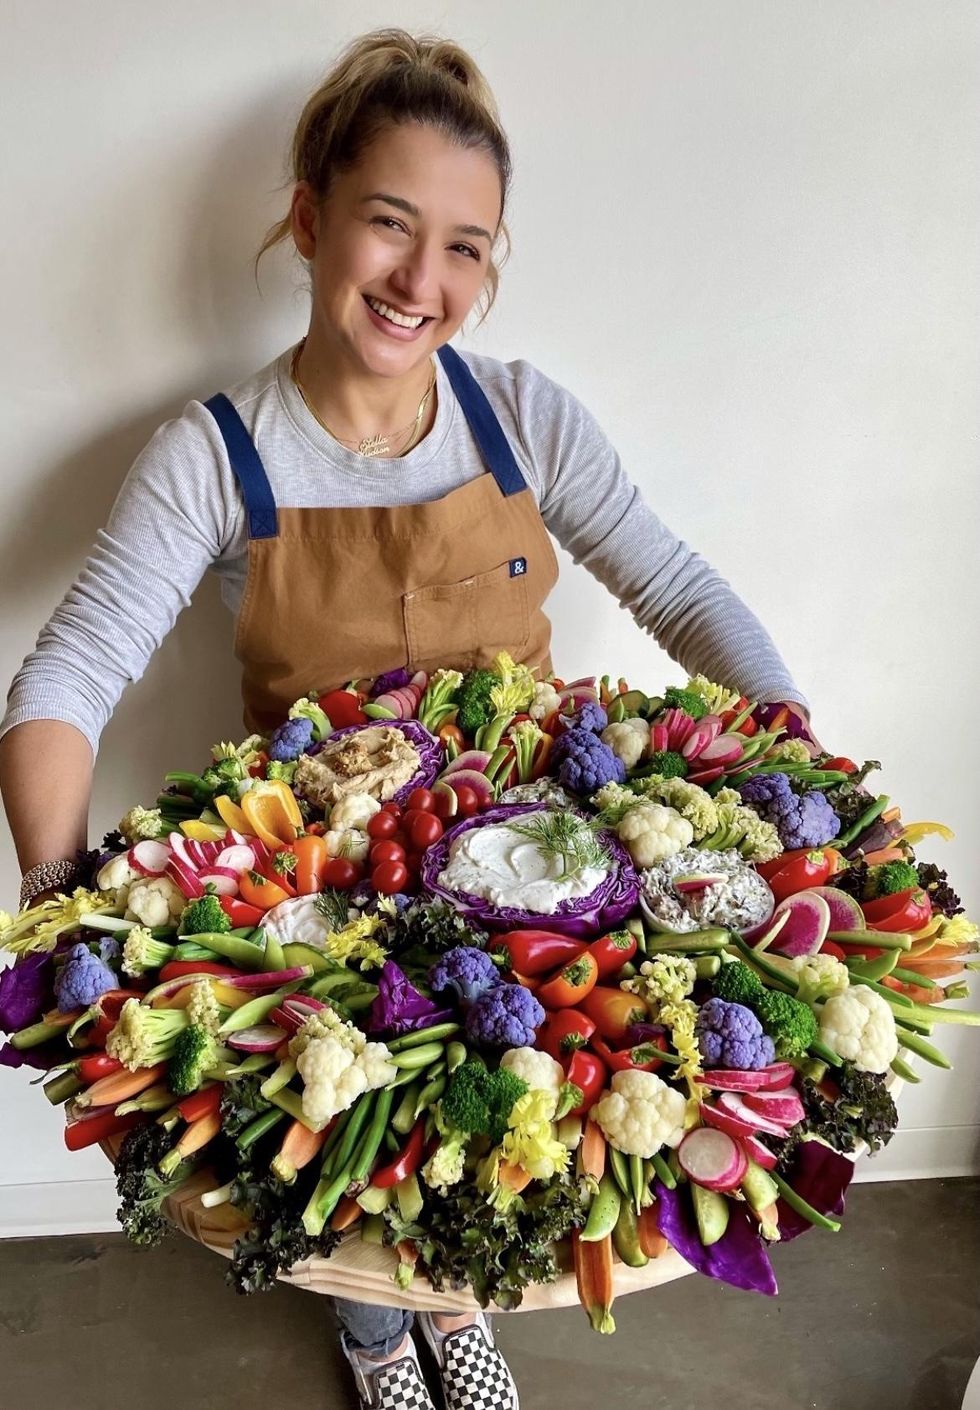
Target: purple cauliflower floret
(802, 820)
(591, 717)
(81, 980)
(467, 971)
(504, 1017)
(390, 680)
(585, 763)
(730, 1035)
(291, 739)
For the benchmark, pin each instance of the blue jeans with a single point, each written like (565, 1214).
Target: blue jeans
(370, 1328)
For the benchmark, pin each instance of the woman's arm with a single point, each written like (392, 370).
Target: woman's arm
(599, 516)
(46, 783)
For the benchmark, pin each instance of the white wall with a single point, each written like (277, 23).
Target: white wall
(744, 235)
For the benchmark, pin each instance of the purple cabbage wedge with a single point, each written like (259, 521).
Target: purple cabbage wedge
(399, 1007)
(585, 916)
(739, 1257)
(428, 748)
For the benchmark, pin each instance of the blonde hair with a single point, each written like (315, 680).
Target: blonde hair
(382, 79)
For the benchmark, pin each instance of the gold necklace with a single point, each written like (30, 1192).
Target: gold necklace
(380, 443)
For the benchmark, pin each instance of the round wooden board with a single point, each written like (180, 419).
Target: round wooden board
(365, 1272)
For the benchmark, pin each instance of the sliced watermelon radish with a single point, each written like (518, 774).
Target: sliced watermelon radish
(712, 1159)
(761, 1154)
(149, 857)
(845, 912)
(185, 877)
(775, 927)
(692, 881)
(578, 695)
(735, 1106)
(737, 1079)
(449, 804)
(479, 783)
(724, 749)
(784, 1106)
(469, 759)
(807, 927)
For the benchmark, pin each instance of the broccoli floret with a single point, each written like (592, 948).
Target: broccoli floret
(737, 984)
(475, 708)
(139, 1185)
(665, 763)
(891, 877)
(204, 917)
(790, 1023)
(689, 701)
(480, 1101)
(195, 1051)
(276, 769)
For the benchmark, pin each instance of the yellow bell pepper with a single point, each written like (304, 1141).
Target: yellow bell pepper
(272, 812)
(914, 832)
(199, 831)
(233, 816)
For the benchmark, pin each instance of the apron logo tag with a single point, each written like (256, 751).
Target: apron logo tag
(518, 567)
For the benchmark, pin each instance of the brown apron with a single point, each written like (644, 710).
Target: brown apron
(333, 595)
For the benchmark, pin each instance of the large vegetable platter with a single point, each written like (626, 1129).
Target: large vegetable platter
(479, 988)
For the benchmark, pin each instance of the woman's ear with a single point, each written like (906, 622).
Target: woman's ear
(304, 219)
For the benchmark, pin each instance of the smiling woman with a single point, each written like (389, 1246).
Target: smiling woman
(374, 501)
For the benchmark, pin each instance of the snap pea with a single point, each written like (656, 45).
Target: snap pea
(663, 1171)
(421, 1036)
(404, 1117)
(430, 1094)
(455, 1055)
(603, 1212)
(619, 1166)
(915, 1044)
(873, 969)
(638, 1182)
(414, 1058)
(902, 1069)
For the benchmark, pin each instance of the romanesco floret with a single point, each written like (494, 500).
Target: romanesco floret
(718, 698)
(789, 751)
(141, 823)
(203, 1008)
(667, 979)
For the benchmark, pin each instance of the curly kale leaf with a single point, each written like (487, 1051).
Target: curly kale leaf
(430, 927)
(141, 1188)
(241, 1103)
(275, 1239)
(861, 1109)
(940, 893)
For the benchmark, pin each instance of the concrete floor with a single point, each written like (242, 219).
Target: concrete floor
(884, 1314)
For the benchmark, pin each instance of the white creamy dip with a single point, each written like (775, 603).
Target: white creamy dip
(297, 921)
(506, 869)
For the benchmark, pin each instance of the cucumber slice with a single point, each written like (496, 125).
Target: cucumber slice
(711, 1213)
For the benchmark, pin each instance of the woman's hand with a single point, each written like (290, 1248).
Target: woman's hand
(803, 715)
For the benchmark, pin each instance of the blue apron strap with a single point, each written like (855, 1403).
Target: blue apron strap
(483, 423)
(260, 503)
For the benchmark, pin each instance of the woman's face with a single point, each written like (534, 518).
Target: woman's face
(409, 231)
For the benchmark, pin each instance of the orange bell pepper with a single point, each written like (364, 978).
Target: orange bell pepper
(257, 890)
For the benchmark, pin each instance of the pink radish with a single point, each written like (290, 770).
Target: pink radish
(224, 881)
(702, 777)
(577, 694)
(679, 727)
(236, 839)
(696, 881)
(712, 1159)
(420, 681)
(699, 738)
(479, 783)
(807, 927)
(237, 859)
(469, 759)
(293, 1012)
(272, 979)
(179, 848)
(263, 1038)
(733, 1126)
(724, 749)
(845, 913)
(185, 877)
(735, 1106)
(150, 857)
(196, 853)
(784, 1107)
(658, 738)
(736, 1079)
(761, 1154)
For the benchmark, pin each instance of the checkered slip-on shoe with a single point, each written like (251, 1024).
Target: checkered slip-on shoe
(474, 1374)
(395, 1385)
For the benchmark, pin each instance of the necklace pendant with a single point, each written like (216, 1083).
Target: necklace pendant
(374, 445)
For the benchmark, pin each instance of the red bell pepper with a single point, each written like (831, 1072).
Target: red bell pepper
(570, 985)
(797, 871)
(613, 1010)
(343, 708)
(612, 951)
(562, 1032)
(537, 951)
(748, 727)
(840, 764)
(90, 1069)
(92, 1129)
(239, 913)
(204, 1102)
(904, 911)
(406, 1162)
(587, 1071)
(642, 1058)
(175, 969)
(106, 1011)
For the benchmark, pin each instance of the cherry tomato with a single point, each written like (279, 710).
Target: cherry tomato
(342, 873)
(394, 809)
(389, 877)
(383, 824)
(424, 830)
(453, 732)
(422, 799)
(386, 852)
(467, 802)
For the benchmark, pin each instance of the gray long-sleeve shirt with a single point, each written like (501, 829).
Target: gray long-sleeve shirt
(180, 512)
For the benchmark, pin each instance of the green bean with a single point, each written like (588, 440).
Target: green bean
(373, 1137)
(258, 1127)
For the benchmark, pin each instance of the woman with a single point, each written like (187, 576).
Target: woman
(371, 498)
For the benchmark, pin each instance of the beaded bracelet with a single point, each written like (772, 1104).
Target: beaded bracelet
(45, 876)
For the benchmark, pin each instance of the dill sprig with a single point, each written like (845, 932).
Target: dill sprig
(334, 907)
(564, 835)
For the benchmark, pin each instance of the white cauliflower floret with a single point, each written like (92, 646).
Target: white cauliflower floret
(354, 811)
(117, 874)
(203, 1008)
(155, 901)
(538, 1069)
(337, 1064)
(628, 740)
(859, 1026)
(374, 1059)
(653, 833)
(546, 701)
(640, 1114)
(348, 842)
(818, 976)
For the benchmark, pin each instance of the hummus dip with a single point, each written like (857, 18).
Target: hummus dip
(377, 760)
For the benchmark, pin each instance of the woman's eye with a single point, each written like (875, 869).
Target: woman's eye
(388, 220)
(469, 250)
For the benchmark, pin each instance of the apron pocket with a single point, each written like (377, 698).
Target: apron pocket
(465, 624)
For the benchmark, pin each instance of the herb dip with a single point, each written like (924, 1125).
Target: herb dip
(743, 899)
(508, 869)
